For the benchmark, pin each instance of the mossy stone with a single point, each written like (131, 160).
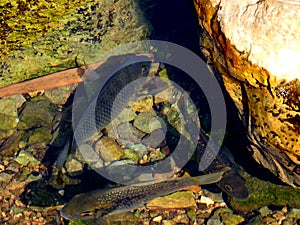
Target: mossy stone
(227, 217)
(264, 193)
(36, 114)
(40, 135)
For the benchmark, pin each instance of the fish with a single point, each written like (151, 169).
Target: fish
(232, 183)
(99, 113)
(99, 203)
(210, 157)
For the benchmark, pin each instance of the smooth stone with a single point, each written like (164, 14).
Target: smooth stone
(140, 149)
(128, 134)
(147, 121)
(73, 167)
(32, 178)
(11, 145)
(155, 138)
(25, 157)
(177, 200)
(121, 171)
(87, 154)
(126, 115)
(109, 149)
(206, 200)
(157, 219)
(166, 96)
(9, 111)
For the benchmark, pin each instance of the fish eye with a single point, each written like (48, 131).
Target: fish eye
(228, 187)
(87, 213)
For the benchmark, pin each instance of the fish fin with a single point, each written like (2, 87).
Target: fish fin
(212, 177)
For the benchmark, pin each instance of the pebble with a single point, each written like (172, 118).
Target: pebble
(25, 157)
(128, 134)
(5, 177)
(264, 211)
(294, 213)
(177, 200)
(157, 219)
(140, 149)
(88, 154)
(147, 121)
(227, 216)
(155, 139)
(73, 166)
(168, 222)
(109, 149)
(214, 222)
(206, 200)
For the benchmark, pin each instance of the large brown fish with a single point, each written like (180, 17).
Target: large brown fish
(99, 203)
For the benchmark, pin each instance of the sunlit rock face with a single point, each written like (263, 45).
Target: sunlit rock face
(255, 46)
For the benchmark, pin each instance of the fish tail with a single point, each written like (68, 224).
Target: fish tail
(211, 178)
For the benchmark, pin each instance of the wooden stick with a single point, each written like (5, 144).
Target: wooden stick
(51, 81)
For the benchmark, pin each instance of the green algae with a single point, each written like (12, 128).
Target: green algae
(40, 135)
(43, 37)
(36, 114)
(263, 193)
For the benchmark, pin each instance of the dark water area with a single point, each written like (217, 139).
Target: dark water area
(173, 20)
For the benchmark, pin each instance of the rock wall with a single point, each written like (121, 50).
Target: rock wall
(255, 46)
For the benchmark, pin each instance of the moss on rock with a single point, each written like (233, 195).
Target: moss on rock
(40, 135)
(264, 193)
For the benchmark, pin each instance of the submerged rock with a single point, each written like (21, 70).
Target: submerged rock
(109, 150)
(177, 200)
(40, 135)
(35, 114)
(147, 121)
(25, 157)
(9, 111)
(227, 216)
(60, 95)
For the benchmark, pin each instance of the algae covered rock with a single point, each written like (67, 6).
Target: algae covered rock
(40, 135)
(227, 216)
(9, 111)
(47, 37)
(263, 193)
(35, 114)
(257, 53)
